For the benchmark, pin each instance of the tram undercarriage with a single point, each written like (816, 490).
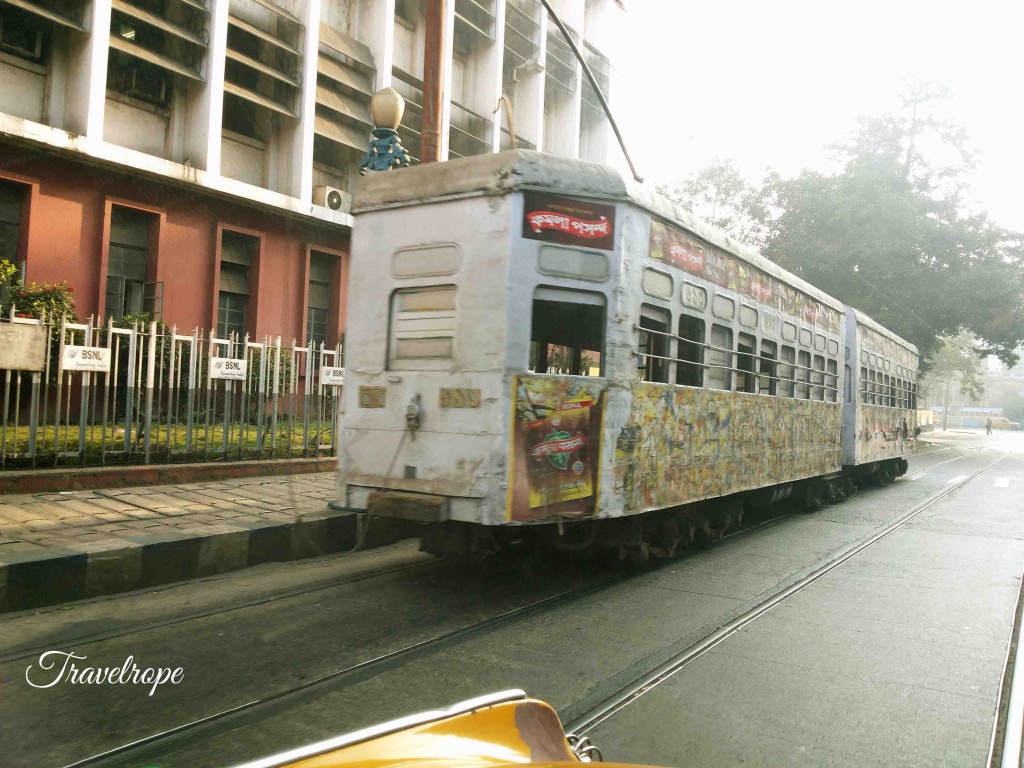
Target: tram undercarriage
(638, 537)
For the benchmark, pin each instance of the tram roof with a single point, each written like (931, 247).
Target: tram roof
(877, 327)
(504, 172)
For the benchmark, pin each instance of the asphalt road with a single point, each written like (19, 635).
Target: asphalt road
(894, 658)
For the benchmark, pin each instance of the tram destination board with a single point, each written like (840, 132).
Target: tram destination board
(568, 221)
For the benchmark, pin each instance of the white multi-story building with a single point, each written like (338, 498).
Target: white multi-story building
(174, 156)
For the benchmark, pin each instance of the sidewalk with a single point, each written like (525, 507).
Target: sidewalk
(62, 546)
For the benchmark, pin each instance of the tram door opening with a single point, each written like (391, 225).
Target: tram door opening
(567, 332)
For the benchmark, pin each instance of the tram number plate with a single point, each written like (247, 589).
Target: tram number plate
(372, 397)
(460, 398)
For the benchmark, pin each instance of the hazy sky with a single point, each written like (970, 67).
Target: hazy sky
(768, 84)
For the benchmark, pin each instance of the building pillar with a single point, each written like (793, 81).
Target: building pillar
(300, 183)
(376, 29)
(205, 111)
(87, 74)
(492, 83)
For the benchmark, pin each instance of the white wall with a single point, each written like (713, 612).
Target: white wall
(22, 88)
(138, 128)
(242, 159)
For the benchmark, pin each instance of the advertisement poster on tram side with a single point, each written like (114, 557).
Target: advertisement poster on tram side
(555, 444)
(672, 246)
(568, 221)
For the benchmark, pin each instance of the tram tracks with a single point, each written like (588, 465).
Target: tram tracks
(584, 723)
(252, 712)
(27, 652)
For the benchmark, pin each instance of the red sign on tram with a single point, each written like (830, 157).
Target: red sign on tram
(568, 221)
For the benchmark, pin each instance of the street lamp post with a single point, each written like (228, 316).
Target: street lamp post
(386, 150)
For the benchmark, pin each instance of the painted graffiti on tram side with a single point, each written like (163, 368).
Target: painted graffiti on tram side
(686, 444)
(885, 433)
(556, 447)
(568, 221)
(672, 246)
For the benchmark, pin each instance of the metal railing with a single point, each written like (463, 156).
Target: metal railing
(103, 394)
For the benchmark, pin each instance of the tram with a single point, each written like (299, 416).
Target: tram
(539, 350)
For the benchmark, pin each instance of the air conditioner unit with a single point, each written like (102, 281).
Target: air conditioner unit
(333, 198)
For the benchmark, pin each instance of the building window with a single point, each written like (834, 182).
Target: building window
(231, 306)
(22, 34)
(237, 255)
(318, 311)
(10, 221)
(128, 291)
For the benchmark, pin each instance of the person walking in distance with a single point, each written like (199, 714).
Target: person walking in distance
(988, 426)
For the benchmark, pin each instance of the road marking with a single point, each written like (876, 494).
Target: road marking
(916, 476)
(957, 479)
(1003, 482)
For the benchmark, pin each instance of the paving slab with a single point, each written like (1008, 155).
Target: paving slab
(61, 546)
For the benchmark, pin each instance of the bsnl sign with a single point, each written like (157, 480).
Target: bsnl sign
(228, 368)
(94, 359)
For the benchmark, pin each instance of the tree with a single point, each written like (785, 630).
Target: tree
(956, 361)
(888, 234)
(720, 195)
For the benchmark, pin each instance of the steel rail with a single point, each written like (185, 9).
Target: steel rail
(643, 684)
(142, 750)
(23, 652)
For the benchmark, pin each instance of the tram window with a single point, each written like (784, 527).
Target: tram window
(863, 385)
(787, 357)
(788, 331)
(832, 381)
(803, 373)
(422, 323)
(657, 284)
(913, 396)
(723, 307)
(847, 384)
(652, 349)
(818, 378)
(689, 365)
(748, 316)
(720, 358)
(567, 332)
(745, 350)
(819, 342)
(766, 383)
(872, 387)
(901, 394)
(864, 357)
(833, 348)
(806, 337)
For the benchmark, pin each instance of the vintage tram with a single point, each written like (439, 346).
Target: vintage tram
(538, 350)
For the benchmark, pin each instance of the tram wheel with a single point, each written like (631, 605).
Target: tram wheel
(886, 473)
(814, 497)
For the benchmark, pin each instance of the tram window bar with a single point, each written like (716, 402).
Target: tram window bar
(807, 369)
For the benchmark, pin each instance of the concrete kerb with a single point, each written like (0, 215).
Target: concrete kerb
(48, 576)
(94, 478)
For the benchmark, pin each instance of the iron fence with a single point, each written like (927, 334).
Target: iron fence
(85, 394)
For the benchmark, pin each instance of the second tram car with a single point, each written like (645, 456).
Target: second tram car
(540, 350)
